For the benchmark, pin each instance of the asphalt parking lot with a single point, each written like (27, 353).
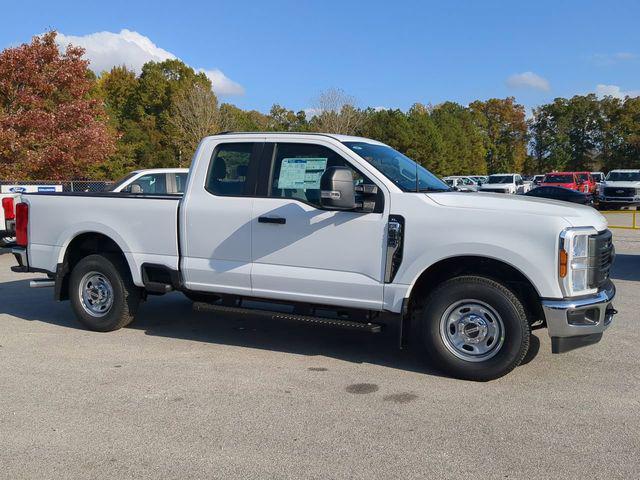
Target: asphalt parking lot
(182, 394)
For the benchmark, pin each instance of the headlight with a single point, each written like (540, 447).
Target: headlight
(573, 261)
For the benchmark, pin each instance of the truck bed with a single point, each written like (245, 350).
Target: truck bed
(145, 227)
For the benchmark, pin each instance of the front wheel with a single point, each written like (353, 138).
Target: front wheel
(102, 293)
(474, 328)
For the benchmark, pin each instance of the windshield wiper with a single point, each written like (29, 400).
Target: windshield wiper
(426, 190)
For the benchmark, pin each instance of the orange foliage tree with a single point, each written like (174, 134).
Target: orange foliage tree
(50, 126)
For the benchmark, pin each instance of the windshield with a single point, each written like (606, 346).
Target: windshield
(583, 176)
(623, 177)
(500, 179)
(558, 179)
(122, 181)
(399, 168)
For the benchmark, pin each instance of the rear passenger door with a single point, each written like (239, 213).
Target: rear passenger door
(302, 252)
(216, 226)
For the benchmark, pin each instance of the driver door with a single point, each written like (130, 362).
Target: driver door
(302, 252)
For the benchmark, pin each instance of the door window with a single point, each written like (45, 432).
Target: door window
(151, 183)
(181, 182)
(228, 170)
(298, 167)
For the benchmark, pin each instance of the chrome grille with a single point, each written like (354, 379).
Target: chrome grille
(601, 258)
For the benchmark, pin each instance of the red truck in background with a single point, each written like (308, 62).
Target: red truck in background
(579, 181)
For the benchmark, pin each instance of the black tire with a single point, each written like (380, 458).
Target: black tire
(126, 296)
(201, 297)
(515, 327)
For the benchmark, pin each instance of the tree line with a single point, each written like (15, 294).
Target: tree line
(58, 120)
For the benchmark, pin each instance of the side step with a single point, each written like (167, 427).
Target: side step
(331, 322)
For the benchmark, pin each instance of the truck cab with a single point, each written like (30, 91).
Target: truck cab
(333, 230)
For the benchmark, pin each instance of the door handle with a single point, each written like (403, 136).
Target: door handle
(276, 220)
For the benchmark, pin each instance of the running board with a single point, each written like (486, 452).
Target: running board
(331, 322)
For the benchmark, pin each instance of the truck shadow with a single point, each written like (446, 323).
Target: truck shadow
(171, 316)
(626, 267)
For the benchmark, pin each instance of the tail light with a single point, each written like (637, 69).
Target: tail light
(8, 207)
(22, 220)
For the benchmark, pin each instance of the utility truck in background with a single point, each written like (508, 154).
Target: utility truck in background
(336, 230)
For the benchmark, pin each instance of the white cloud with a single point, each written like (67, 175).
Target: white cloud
(615, 91)
(312, 112)
(603, 59)
(221, 83)
(108, 49)
(528, 80)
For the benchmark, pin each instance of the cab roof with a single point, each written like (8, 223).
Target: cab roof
(336, 136)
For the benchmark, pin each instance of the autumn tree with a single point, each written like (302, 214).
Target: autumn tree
(50, 126)
(337, 113)
(194, 115)
(504, 127)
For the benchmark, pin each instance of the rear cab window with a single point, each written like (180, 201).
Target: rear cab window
(229, 170)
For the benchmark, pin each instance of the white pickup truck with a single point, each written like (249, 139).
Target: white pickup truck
(621, 188)
(337, 230)
(505, 183)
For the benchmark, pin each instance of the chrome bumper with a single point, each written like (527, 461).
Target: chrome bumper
(630, 200)
(574, 323)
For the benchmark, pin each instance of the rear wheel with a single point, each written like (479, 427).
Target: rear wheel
(102, 293)
(474, 328)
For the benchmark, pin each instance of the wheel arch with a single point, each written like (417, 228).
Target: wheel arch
(489, 267)
(79, 246)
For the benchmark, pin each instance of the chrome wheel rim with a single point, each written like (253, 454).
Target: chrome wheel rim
(96, 294)
(472, 330)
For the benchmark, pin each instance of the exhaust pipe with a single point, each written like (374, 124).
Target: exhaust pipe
(44, 283)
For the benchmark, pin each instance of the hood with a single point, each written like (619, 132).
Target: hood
(621, 184)
(577, 215)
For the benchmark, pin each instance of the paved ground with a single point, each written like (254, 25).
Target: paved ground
(189, 395)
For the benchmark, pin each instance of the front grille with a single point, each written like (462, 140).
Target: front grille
(601, 258)
(619, 192)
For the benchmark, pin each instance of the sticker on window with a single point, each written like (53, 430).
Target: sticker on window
(301, 173)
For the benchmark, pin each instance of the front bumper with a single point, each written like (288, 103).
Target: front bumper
(574, 323)
(620, 200)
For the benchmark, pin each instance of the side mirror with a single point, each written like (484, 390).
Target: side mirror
(337, 191)
(135, 188)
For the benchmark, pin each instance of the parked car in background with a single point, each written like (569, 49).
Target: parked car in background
(479, 179)
(598, 177)
(321, 239)
(505, 183)
(461, 184)
(561, 193)
(587, 182)
(537, 179)
(569, 180)
(158, 181)
(621, 188)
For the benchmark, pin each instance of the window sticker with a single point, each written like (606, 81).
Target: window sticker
(301, 173)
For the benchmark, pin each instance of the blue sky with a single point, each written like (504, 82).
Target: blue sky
(385, 54)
